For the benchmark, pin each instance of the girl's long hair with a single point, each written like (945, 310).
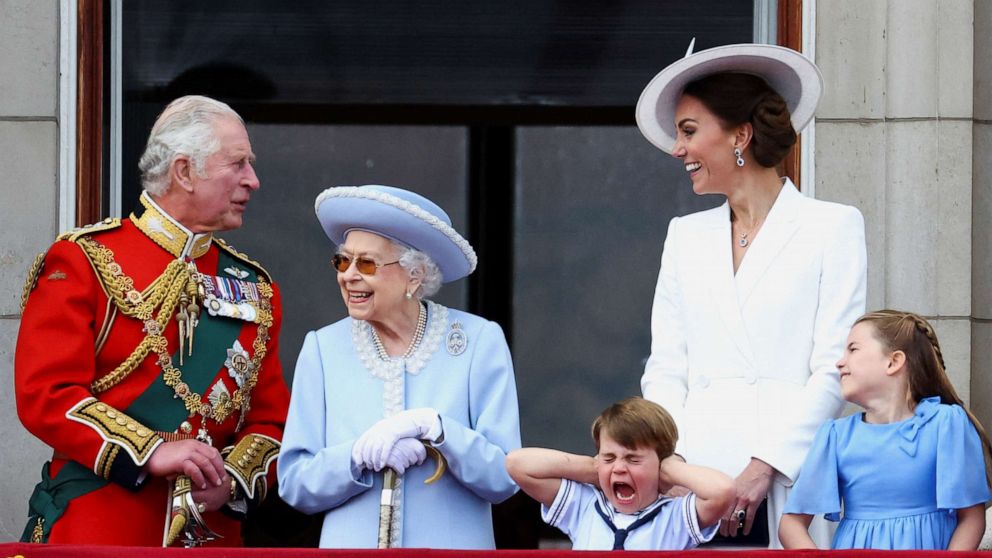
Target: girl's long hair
(914, 336)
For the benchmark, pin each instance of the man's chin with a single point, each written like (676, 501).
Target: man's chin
(230, 223)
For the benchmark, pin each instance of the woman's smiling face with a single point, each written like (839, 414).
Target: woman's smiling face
(377, 297)
(628, 477)
(705, 147)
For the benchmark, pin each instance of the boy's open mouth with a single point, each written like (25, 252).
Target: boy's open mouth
(624, 492)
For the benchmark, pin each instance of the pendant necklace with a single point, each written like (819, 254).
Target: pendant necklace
(743, 241)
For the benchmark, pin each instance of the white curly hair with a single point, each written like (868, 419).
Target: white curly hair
(185, 127)
(419, 265)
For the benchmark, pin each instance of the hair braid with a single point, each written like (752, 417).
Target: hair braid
(926, 329)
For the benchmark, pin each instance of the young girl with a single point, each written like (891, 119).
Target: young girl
(912, 471)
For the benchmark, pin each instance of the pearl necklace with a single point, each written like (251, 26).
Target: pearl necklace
(418, 336)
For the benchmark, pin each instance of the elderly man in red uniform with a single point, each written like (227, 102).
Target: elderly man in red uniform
(147, 354)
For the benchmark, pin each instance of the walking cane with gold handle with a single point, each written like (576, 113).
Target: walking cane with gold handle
(387, 505)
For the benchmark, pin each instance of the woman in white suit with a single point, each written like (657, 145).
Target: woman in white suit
(754, 297)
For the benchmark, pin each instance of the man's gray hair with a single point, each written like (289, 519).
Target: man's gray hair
(420, 266)
(185, 127)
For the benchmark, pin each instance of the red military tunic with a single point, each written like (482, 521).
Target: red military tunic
(95, 381)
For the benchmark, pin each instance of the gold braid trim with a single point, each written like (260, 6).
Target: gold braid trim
(121, 287)
(249, 461)
(38, 532)
(120, 430)
(148, 344)
(106, 460)
(32, 281)
(107, 224)
(165, 293)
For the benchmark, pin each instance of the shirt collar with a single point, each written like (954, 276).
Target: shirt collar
(605, 504)
(167, 232)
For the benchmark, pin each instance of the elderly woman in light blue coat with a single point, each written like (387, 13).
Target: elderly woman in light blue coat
(398, 376)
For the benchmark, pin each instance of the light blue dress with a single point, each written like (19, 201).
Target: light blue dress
(900, 484)
(342, 387)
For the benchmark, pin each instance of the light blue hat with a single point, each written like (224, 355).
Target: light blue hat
(400, 215)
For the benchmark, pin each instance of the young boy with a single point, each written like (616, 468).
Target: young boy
(614, 500)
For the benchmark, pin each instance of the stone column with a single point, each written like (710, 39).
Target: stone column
(29, 64)
(981, 211)
(904, 132)
(894, 138)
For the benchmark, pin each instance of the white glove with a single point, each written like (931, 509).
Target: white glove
(406, 453)
(372, 448)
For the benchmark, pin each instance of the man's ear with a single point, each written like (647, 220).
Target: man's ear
(181, 173)
(897, 361)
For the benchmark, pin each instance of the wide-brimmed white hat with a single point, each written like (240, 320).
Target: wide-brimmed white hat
(789, 73)
(400, 215)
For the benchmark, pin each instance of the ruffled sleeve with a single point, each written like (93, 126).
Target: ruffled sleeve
(961, 478)
(817, 490)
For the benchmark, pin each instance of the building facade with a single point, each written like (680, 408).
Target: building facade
(903, 133)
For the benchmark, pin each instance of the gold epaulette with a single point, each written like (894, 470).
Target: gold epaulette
(72, 236)
(107, 224)
(241, 256)
(32, 281)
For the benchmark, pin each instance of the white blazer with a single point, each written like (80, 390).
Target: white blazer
(745, 363)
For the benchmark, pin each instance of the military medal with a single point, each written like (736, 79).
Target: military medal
(234, 298)
(238, 363)
(179, 294)
(219, 396)
(237, 272)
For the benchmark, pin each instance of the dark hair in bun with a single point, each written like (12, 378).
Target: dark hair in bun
(738, 98)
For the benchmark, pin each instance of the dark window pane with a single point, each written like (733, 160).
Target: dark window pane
(429, 52)
(569, 255)
(593, 206)
(295, 163)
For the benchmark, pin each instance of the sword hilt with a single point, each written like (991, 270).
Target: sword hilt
(183, 521)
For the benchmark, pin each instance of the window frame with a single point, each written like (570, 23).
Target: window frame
(95, 125)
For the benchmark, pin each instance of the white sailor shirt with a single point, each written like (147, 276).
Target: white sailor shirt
(675, 527)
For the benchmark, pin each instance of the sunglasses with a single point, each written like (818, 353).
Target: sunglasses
(365, 266)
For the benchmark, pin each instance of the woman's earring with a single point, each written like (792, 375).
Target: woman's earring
(409, 295)
(737, 153)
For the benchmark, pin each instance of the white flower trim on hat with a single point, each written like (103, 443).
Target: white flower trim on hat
(412, 209)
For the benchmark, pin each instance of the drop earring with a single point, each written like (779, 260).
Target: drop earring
(737, 153)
